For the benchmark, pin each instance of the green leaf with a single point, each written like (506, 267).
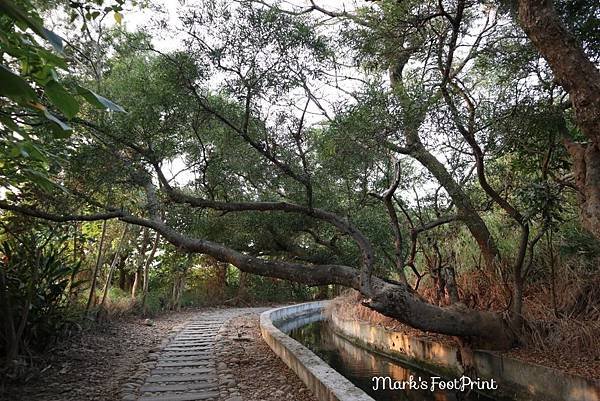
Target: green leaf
(12, 10)
(98, 101)
(52, 58)
(118, 17)
(62, 99)
(40, 179)
(33, 152)
(64, 131)
(15, 87)
(15, 150)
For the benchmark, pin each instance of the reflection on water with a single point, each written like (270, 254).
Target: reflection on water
(360, 366)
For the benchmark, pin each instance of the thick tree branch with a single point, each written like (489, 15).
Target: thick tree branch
(386, 197)
(361, 240)
(394, 300)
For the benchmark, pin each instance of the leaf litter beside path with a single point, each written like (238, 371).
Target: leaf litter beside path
(94, 364)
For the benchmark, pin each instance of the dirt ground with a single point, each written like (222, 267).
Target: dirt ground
(259, 373)
(95, 363)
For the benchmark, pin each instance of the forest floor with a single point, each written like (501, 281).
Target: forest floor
(95, 363)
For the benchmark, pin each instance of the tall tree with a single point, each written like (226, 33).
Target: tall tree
(580, 77)
(241, 108)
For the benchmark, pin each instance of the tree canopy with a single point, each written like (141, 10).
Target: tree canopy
(369, 148)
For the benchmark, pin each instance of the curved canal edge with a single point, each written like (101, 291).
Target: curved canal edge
(519, 380)
(325, 383)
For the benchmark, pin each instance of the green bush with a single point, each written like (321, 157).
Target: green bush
(36, 283)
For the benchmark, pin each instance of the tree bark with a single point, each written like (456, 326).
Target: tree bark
(145, 284)
(178, 287)
(363, 243)
(96, 268)
(396, 300)
(139, 268)
(112, 266)
(466, 211)
(415, 148)
(576, 73)
(242, 292)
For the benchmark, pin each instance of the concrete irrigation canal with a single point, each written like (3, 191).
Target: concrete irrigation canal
(357, 361)
(341, 360)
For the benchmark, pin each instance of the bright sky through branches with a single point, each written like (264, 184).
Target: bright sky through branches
(170, 37)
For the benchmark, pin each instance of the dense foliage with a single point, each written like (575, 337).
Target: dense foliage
(416, 142)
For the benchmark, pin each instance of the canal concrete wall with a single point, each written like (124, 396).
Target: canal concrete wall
(518, 380)
(325, 383)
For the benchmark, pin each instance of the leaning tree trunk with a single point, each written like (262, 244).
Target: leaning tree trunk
(466, 210)
(96, 268)
(139, 268)
(112, 266)
(242, 292)
(145, 284)
(576, 73)
(393, 299)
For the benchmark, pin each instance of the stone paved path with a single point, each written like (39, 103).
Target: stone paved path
(185, 369)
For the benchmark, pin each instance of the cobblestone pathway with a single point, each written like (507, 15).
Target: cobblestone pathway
(186, 369)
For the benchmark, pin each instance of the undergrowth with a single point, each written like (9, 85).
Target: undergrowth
(569, 325)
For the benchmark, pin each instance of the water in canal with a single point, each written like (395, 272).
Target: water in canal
(360, 367)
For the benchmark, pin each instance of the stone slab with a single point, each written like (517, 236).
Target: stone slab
(183, 397)
(177, 387)
(180, 378)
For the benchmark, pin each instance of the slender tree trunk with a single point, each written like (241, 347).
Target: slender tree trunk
(439, 286)
(137, 278)
(415, 148)
(178, 286)
(146, 270)
(242, 293)
(96, 268)
(76, 260)
(113, 265)
(122, 278)
(70, 295)
(139, 268)
(451, 287)
(221, 280)
(466, 211)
